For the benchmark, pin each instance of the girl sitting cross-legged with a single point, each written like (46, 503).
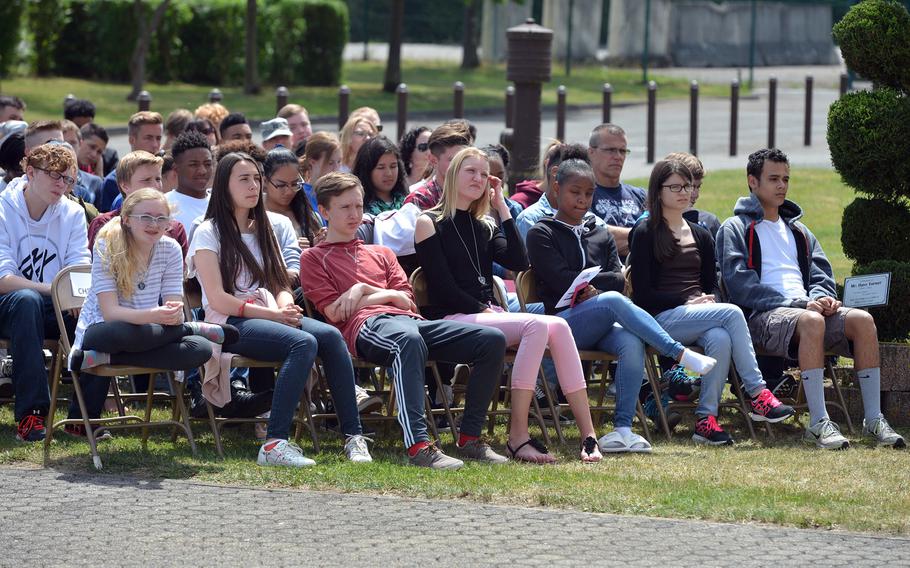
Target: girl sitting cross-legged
(133, 314)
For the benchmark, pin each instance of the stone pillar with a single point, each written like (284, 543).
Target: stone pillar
(528, 67)
(586, 20)
(497, 18)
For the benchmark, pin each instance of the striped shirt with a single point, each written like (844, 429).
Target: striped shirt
(163, 278)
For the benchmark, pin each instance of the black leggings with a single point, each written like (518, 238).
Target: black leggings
(171, 347)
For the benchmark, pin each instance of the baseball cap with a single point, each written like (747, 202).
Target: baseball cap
(275, 127)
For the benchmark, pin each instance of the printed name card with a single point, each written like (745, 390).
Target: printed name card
(81, 282)
(867, 290)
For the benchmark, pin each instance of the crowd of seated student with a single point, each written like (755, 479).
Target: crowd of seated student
(239, 216)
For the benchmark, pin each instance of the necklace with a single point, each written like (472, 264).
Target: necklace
(141, 278)
(475, 266)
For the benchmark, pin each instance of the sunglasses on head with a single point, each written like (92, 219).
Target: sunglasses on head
(423, 147)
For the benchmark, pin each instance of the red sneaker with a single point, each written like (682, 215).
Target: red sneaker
(766, 408)
(708, 431)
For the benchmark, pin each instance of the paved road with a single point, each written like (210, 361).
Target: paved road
(53, 518)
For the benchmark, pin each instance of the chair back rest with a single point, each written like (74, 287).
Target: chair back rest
(526, 288)
(419, 284)
(64, 299)
(192, 298)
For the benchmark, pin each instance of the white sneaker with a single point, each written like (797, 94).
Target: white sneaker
(356, 449)
(825, 434)
(883, 433)
(284, 453)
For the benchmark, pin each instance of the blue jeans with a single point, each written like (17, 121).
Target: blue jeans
(298, 347)
(27, 319)
(611, 322)
(721, 330)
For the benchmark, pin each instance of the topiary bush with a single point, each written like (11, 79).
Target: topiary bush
(321, 52)
(11, 15)
(874, 37)
(893, 320)
(875, 228)
(869, 139)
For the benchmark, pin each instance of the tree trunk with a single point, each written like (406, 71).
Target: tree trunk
(469, 58)
(251, 73)
(143, 39)
(393, 63)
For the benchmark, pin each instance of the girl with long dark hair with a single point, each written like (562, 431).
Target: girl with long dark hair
(237, 260)
(285, 195)
(379, 168)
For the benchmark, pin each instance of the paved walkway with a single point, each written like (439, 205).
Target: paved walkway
(53, 518)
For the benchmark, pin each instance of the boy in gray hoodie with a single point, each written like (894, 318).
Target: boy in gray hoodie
(40, 234)
(774, 269)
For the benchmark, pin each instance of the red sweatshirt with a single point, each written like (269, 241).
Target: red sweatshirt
(330, 269)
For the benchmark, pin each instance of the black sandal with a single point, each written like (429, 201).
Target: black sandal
(534, 443)
(588, 446)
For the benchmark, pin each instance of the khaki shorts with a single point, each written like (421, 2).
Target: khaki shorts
(773, 332)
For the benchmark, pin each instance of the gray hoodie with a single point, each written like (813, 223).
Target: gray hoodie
(38, 250)
(739, 256)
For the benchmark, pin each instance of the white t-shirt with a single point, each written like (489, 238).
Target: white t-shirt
(163, 278)
(185, 208)
(779, 261)
(206, 238)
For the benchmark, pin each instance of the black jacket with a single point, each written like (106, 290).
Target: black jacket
(646, 269)
(558, 255)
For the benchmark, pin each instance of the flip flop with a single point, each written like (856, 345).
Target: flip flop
(588, 447)
(534, 443)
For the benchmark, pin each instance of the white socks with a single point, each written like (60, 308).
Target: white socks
(696, 362)
(624, 431)
(814, 387)
(870, 387)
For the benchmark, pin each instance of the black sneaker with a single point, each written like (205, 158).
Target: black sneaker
(245, 403)
(708, 431)
(31, 428)
(786, 388)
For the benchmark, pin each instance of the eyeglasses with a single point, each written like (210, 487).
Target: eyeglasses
(676, 188)
(378, 127)
(150, 221)
(621, 152)
(57, 176)
(362, 133)
(423, 146)
(293, 186)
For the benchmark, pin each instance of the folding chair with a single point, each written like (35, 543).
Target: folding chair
(379, 383)
(51, 345)
(526, 288)
(64, 300)
(192, 299)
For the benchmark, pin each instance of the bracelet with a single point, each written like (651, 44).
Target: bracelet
(240, 311)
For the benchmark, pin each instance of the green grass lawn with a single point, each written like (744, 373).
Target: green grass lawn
(779, 482)
(819, 192)
(430, 85)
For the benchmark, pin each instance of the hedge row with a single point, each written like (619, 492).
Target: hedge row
(198, 41)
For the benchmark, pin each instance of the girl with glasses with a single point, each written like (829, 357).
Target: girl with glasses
(415, 154)
(133, 314)
(674, 277)
(284, 195)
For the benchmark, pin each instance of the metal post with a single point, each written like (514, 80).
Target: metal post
(366, 36)
(402, 109)
(569, 41)
(458, 99)
(215, 96)
(843, 84)
(607, 102)
(807, 131)
(772, 111)
(561, 113)
(281, 98)
(144, 100)
(734, 114)
(652, 108)
(644, 52)
(510, 106)
(344, 101)
(752, 32)
(693, 118)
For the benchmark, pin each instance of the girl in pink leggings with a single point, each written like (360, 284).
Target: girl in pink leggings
(456, 245)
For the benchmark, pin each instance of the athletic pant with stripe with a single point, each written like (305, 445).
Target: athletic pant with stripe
(405, 344)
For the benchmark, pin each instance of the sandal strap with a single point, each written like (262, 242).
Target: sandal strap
(533, 442)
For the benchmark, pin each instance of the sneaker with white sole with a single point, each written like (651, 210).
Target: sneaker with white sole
(356, 449)
(282, 452)
(883, 433)
(479, 450)
(432, 457)
(366, 402)
(826, 435)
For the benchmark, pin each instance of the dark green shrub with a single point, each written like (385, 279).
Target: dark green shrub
(285, 30)
(327, 33)
(893, 320)
(869, 142)
(875, 228)
(874, 37)
(11, 15)
(212, 43)
(45, 18)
